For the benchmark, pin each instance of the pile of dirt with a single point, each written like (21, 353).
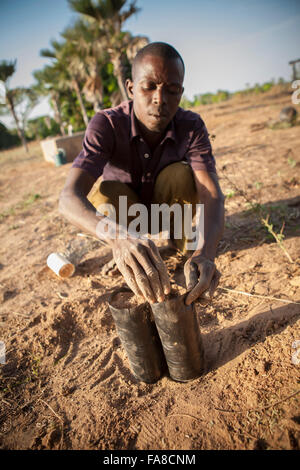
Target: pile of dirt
(66, 382)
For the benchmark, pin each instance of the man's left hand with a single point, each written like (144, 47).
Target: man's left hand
(201, 277)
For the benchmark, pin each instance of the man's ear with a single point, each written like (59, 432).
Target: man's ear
(129, 88)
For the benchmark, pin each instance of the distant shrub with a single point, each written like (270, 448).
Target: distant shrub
(267, 86)
(8, 138)
(185, 103)
(42, 127)
(224, 95)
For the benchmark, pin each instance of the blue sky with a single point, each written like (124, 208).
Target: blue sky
(224, 43)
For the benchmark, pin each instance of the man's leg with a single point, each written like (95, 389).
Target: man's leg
(175, 184)
(108, 192)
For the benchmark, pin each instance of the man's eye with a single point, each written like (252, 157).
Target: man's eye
(148, 86)
(174, 90)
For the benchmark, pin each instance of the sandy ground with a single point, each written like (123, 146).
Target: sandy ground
(67, 384)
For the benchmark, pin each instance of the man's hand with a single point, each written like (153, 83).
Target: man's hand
(201, 276)
(143, 269)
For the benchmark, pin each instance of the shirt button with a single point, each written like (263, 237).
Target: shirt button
(146, 155)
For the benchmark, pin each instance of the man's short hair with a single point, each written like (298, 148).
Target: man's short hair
(158, 49)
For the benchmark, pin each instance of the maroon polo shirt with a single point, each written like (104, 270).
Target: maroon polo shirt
(114, 148)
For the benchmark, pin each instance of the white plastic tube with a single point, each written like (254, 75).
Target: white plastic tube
(60, 265)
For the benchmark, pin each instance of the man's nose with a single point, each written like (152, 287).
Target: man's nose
(159, 96)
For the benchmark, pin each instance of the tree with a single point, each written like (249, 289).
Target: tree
(69, 62)
(110, 16)
(90, 43)
(11, 98)
(7, 138)
(48, 84)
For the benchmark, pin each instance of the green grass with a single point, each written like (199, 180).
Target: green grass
(224, 95)
(230, 194)
(28, 200)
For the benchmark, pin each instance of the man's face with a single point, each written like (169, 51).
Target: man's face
(156, 91)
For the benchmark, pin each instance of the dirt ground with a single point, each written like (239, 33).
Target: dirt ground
(66, 382)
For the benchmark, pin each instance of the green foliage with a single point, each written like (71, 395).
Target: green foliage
(257, 88)
(70, 110)
(230, 194)
(8, 138)
(7, 69)
(42, 127)
(205, 98)
(224, 95)
(185, 103)
(110, 84)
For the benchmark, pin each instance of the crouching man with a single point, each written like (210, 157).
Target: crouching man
(153, 152)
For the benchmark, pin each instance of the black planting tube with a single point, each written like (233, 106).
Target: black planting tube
(180, 336)
(139, 337)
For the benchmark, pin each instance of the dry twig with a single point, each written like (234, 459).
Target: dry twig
(259, 296)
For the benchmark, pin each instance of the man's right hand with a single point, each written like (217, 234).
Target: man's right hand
(142, 267)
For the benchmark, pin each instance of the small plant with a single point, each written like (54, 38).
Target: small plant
(278, 236)
(263, 215)
(35, 367)
(292, 162)
(7, 213)
(230, 194)
(31, 198)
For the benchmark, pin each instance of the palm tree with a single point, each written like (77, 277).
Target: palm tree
(90, 43)
(12, 97)
(69, 62)
(108, 16)
(48, 83)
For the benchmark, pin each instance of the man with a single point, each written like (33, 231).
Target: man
(151, 151)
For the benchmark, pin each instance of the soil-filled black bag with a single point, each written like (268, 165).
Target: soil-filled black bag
(139, 337)
(180, 336)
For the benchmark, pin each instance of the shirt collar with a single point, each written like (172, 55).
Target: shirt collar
(135, 132)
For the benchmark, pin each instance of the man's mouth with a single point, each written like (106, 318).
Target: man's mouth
(158, 116)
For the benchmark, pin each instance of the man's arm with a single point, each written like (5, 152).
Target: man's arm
(138, 260)
(210, 194)
(200, 270)
(73, 202)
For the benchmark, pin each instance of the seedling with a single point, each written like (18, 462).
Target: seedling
(263, 215)
(292, 162)
(230, 194)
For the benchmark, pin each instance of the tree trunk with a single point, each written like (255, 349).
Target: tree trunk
(119, 74)
(57, 114)
(82, 107)
(20, 131)
(93, 90)
(97, 105)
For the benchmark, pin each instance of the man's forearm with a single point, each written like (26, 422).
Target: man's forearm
(213, 227)
(81, 213)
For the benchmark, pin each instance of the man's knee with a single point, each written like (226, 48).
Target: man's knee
(175, 183)
(108, 192)
(106, 199)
